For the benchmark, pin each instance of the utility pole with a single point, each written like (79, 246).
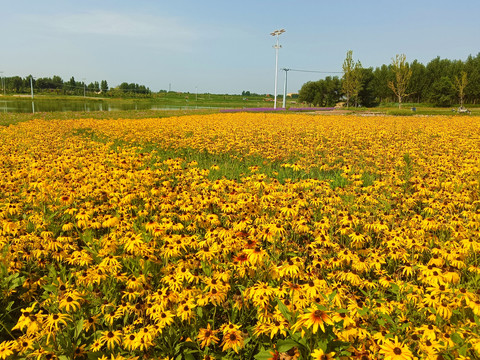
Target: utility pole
(277, 46)
(3, 82)
(31, 85)
(285, 88)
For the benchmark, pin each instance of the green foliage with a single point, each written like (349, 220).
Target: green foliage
(442, 92)
(424, 83)
(325, 92)
(352, 81)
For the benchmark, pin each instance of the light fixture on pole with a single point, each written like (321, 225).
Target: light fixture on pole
(277, 46)
(285, 88)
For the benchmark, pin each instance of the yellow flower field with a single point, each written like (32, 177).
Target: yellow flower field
(241, 236)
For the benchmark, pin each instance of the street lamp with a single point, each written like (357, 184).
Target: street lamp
(277, 46)
(31, 85)
(285, 87)
(3, 82)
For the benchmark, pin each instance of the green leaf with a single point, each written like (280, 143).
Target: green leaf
(395, 288)
(264, 355)
(299, 339)
(322, 344)
(284, 310)
(78, 328)
(363, 311)
(388, 318)
(332, 295)
(335, 345)
(463, 350)
(189, 356)
(18, 281)
(457, 339)
(477, 321)
(50, 288)
(10, 306)
(285, 345)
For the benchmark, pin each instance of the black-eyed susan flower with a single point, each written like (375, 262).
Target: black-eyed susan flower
(111, 338)
(394, 350)
(319, 354)
(314, 318)
(207, 336)
(232, 339)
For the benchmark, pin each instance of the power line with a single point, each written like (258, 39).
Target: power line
(316, 71)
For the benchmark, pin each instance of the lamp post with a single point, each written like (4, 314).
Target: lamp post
(3, 82)
(31, 85)
(277, 46)
(285, 88)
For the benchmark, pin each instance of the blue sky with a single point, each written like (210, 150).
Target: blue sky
(225, 46)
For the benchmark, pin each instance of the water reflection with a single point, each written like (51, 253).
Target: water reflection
(24, 106)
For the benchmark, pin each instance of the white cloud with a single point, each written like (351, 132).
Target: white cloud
(166, 32)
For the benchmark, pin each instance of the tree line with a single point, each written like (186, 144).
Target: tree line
(56, 85)
(441, 82)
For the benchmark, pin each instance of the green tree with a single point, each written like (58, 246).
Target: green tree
(326, 92)
(57, 82)
(403, 73)
(307, 92)
(443, 92)
(472, 68)
(460, 84)
(366, 96)
(381, 77)
(17, 84)
(417, 86)
(104, 85)
(352, 78)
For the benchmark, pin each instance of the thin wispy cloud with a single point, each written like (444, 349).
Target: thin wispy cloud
(167, 32)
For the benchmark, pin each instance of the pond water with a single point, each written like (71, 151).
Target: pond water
(39, 105)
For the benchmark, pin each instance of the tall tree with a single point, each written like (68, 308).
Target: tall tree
(104, 85)
(352, 78)
(382, 75)
(460, 84)
(403, 73)
(366, 96)
(357, 81)
(417, 85)
(347, 78)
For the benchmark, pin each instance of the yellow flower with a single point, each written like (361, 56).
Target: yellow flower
(111, 338)
(232, 340)
(394, 350)
(314, 319)
(6, 349)
(319, 354)
(53, 321)
(207, 336)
